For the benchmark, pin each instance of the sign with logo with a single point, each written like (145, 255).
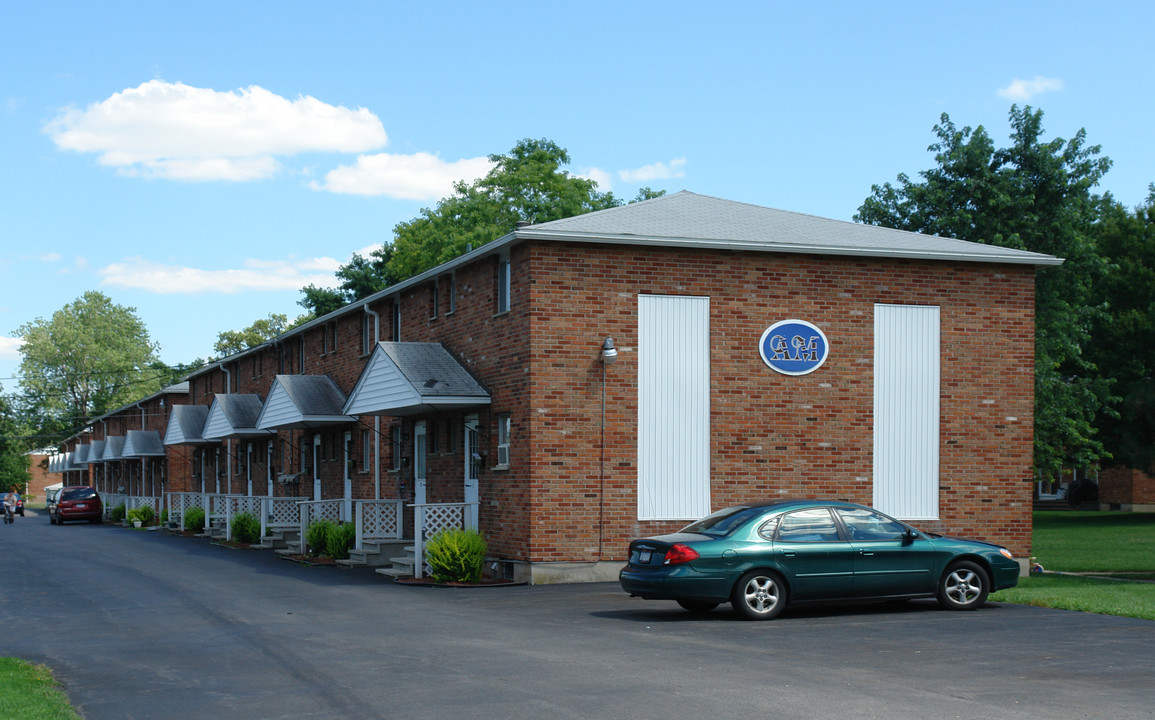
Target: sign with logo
(793, 347)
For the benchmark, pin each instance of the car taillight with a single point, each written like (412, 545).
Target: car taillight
(679, 553)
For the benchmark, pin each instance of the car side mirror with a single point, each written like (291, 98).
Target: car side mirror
(909, 536)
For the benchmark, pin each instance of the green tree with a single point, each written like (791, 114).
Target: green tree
(527, 184)
(13, 446)
(1123, 342)
(231, 342)
(1034, 195)
(91, 357)
(359, 279)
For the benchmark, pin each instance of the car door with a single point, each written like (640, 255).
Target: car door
(817, 559)
(887, 559)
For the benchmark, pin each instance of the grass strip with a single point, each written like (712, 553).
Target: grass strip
(29, 692)
(1094, 595)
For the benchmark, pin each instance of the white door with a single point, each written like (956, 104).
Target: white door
(316, 467)
(419, 462)
(472, 466)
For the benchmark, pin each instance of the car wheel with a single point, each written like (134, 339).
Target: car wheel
(963, 586)
(759, 595)
(697, 606)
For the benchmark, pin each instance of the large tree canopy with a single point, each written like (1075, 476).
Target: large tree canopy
(1037, 195)
(91, 357)
(527, 184)
(1123, 343)
(231, 342)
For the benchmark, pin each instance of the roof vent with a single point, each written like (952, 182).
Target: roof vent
(523, 223)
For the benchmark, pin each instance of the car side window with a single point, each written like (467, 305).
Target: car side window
(868, 526)
(766, 530)
(813, 525)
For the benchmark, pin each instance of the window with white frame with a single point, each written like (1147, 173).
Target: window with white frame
(396, 330)
(366, 333)
(504, 429)
(366, 450)
(452, 295)
(503, 282)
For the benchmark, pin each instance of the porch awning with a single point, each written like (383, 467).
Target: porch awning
(186, 425)
(79, 458)
(113, 445)
(405, 378)
(303, 401)
(96, 452)
(234, 416)
(142, 443)
(62, 461)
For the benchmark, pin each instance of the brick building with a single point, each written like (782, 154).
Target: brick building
(581, 382)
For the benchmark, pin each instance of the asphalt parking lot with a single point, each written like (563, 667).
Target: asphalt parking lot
(140, 624)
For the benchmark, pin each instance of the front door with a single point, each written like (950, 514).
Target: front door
(472, 466)
(419, 462)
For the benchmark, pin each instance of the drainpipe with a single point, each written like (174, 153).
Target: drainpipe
(376, 418)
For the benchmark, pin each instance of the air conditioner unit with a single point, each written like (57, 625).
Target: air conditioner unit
(502, 454)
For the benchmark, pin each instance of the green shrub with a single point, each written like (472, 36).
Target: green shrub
(456, 555)
(194, 519)
(246, 528)
(145, 514)
(164, 517)
(117, 513)
(133, 516)
(339, 539)
(317, 536)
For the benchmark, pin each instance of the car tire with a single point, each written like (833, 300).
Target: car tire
(759, 595)
(697, 606)
(964, 586)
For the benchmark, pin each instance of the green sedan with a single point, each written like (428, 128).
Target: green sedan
(761, 557)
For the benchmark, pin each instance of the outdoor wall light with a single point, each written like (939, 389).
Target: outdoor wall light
(609, 352)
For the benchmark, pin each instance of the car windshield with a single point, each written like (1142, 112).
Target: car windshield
(724, 522)
(79, 494)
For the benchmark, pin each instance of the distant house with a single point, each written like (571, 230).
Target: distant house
(581, 382)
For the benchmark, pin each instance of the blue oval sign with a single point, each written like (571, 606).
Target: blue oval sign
(793, 347)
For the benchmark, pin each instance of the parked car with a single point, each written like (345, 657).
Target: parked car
(50, 495)
(761, 557)
(76, 503)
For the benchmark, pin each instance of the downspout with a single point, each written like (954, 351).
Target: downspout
(376, 418)
(229, 441)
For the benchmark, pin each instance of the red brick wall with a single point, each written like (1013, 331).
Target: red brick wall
(1126, 486)
(772, 435)
(38, 476)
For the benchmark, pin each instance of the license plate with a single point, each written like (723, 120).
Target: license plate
(81, 506)
(644, 557)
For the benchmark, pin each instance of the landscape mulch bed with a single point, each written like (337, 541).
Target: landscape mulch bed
(430, 582)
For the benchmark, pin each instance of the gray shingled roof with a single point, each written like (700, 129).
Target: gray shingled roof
(686, 219)
(302, 401)
(186, 425)
(404, 378)
(142, 443)
(234, 415)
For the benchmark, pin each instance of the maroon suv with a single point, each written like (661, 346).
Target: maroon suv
(76, 503)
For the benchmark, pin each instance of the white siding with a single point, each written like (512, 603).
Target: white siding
(906, 411)
(673, 407)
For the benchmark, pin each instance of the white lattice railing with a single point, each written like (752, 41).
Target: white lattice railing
(313, 510)
(217, 510)
(132, 502)
(237, 504)
(431, 518)
(379, 520)
(179, 502)
(111, 500)
(280, 513)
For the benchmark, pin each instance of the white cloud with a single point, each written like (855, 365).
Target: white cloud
(420, 176)
(255, 275)
(50, 257)
(655, 171)
(10, 348)
(1026, 89)
(179, 132)
(601, 177)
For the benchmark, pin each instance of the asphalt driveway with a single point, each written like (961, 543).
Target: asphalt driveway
(151, 625)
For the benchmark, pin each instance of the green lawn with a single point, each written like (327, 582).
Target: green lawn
(29, 692)
(1115, 544)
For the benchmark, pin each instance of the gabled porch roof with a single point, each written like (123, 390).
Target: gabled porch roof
(406, 378)
(303, 401)
(186, 425)
(96, 452)
(79, 459)
(142, 443)
(113, 447)
(234, 416)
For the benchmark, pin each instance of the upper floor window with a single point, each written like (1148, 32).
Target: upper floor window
(452, 294)
(434, 289)
(503, 278)
(366, 333)
(504, 430)
(396, 334)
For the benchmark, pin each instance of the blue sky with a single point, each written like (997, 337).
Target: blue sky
(202, 161)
